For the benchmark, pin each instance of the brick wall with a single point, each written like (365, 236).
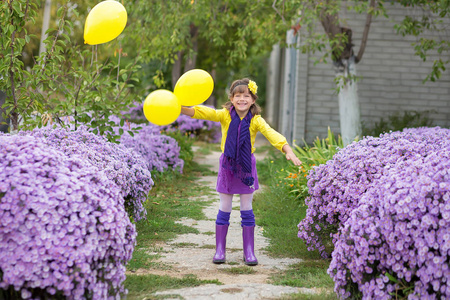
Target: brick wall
(391, 80)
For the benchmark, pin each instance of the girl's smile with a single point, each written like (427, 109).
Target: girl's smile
(242, 102)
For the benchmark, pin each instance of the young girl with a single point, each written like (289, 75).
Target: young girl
(240, 120)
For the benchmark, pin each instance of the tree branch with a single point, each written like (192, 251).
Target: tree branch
(362, 48)
(277, 11)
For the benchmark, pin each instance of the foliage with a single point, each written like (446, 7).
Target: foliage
(200, 129)
(67, 79)
(64, 230)
(320, 152)
(308, 274)
(335, 188)
(276, 212)
(124, 167)
(141, 286)
(396, 242)
(396, 122)
(160, 151)
(428, 17)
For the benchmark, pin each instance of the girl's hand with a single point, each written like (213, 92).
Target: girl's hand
(292, 157)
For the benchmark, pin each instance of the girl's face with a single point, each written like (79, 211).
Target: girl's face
(242, 101)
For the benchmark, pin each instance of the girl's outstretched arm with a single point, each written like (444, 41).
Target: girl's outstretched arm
(290, 155)
(188, 111)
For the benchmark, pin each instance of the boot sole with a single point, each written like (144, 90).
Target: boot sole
(218, 261)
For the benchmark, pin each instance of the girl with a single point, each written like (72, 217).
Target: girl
(240, 120)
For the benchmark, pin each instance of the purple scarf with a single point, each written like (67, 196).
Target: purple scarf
(238, 148)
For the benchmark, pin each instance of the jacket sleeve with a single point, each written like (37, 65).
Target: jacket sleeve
(207, 113)
(275, 138)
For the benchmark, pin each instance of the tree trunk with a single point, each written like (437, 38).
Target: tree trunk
(191, 60)
(176, 69)
(349, 111)
(45, 24)
(212, 101)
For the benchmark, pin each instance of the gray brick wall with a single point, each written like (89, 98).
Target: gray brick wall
(391, 80)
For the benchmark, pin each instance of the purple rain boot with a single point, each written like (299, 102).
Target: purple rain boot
(221, 241)
(248, 236)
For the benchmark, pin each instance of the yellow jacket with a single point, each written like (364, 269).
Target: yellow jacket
(257, 124)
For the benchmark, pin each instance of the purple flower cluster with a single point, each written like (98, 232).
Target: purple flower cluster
(388, 200)
(161, 152)
(63, 226)
(121, 165)
(335, 188)
(204, 129)
(397, 241)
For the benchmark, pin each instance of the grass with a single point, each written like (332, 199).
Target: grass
(307, 274)
(278, 211)
(142, 286)
(206, 148)
(239, 270)
(320, 296)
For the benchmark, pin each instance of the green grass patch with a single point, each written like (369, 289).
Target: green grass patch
(141, 259)
(184, 245)
(239, 270)
(279, 213)
(142, 286)
(318, 296)
(207, 148)
(308, 274)
(208, 247)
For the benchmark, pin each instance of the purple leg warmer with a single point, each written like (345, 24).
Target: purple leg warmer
(248, 218)
(223, 218)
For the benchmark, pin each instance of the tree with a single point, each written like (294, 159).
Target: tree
(67, 80)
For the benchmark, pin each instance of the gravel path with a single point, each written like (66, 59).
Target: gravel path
(192, 254)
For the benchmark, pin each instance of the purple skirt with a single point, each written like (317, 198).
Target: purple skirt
(227, 183)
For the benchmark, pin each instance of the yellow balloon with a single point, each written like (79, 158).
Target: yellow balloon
(104, 22)
(194, 87)
(161, 107)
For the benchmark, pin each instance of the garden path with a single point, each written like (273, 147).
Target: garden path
(192, 254)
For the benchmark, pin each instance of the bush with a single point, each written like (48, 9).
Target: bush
(396, 243)
(64, 232)
(335, 188)
(123, 166)
(398, 122)
(208, 131)
(160, 151)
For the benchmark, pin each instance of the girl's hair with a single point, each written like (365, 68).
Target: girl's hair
(240, 86)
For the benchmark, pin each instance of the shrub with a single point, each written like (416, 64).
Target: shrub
(397, 241)
(160, 151)
(202, 129)
(335, 188)
(320, 152)
(397, 122)
(123, 166)
(64, 232)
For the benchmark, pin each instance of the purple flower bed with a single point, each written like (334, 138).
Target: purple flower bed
(64, 231)
(203, 129)
(335, 188)
(123, 166)
(397, 241)
(161, 152)
(207, 130)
